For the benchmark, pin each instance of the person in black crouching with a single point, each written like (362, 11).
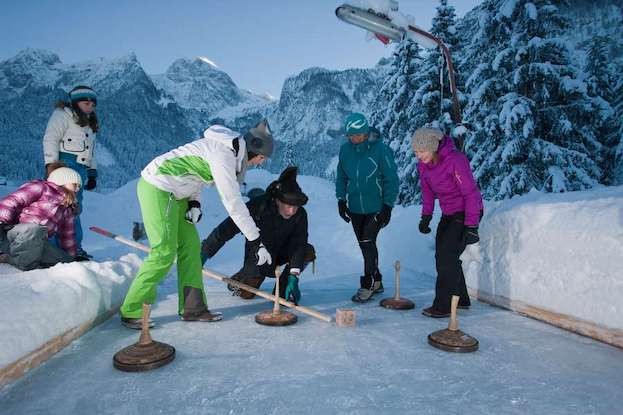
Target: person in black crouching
(282, 220)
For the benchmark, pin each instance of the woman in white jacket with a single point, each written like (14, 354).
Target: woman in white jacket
(169, 190)
(70, 139)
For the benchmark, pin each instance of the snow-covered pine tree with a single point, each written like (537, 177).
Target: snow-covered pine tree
(601, 80)
(617, 170)
(289, 158)
(390, 113)
(434, 71)
(534, 117)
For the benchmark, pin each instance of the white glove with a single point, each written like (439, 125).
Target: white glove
(193, 213)
(263, 256)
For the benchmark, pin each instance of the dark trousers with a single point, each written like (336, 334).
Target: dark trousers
(366, 229)
(28, 247)
(449, 245)
(254, 275)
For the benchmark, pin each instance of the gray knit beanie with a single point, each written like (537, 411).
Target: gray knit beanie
(426, 139)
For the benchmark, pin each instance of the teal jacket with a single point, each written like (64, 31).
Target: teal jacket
(366, 176)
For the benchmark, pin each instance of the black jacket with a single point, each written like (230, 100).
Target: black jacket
(285, 239)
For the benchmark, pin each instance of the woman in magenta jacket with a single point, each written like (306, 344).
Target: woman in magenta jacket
(445, 174)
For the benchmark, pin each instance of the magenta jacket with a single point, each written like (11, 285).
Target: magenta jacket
(39, 202)
(451, 181)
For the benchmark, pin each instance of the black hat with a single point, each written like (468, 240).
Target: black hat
(286, 189)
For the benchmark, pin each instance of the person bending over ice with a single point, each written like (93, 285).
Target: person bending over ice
(168, 193)
(282, 220)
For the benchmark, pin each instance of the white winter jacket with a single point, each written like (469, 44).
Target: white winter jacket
(64, 134)
(210, 160)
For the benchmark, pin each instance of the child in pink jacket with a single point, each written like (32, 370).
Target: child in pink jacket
(37, 211)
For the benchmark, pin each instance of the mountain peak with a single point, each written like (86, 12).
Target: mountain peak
(36, 56)
(208, 61)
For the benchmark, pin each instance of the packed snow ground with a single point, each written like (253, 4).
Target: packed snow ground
(383, 365)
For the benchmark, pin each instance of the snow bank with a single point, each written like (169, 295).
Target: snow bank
(39, 305)
(558, 252)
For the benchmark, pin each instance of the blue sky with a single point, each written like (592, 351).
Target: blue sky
(258, 43)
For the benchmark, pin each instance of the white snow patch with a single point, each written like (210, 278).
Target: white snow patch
(560, 252)
(208, 61)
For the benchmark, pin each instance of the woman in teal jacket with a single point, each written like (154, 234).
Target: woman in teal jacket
(366, 188)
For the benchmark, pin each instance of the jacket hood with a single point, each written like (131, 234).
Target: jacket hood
(446, 146)
(225, 136)
(374, 137)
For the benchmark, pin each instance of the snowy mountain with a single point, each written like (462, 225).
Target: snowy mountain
(143, 116)
(198, 84)
(312, 107)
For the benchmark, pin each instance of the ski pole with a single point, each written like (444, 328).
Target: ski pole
(220, 277)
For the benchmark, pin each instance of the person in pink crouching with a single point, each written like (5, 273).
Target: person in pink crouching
(34, 213)
(445, 174)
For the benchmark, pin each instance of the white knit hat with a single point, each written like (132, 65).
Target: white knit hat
(64, 175)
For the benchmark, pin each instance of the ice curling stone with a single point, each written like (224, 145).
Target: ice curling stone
(145, 355)
(395, 302)
(452, 339)
(276, 317)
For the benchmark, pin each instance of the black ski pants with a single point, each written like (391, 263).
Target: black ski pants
(449, 245)
(366, 229)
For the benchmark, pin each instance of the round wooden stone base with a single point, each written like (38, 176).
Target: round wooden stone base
(397, 303)
(139, 358)
(453, 341)
(283, 318)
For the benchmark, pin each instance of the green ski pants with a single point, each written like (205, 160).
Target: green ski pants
(169, 235)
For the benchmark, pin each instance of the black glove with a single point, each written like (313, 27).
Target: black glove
(193, 212)
(91, 183)
(424, 222)
(343, 209)
(470, 235)
(384, 215)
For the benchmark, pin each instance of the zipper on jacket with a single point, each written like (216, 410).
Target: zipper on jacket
(166, 213)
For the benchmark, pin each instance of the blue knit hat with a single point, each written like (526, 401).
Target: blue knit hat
(82, 93)
(356, 123)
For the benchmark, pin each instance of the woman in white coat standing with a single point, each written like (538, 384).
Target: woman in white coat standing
(70, 139)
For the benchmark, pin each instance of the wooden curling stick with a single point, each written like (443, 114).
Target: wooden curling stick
(276, 308)
(221, 277)
(397, 279)
(145, 336)
(453, 324)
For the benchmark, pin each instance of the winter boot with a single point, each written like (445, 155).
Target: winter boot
(195, 308)
(378, 283)
(204, 316)
(366, 292)
(434, 313)
(135, 323)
